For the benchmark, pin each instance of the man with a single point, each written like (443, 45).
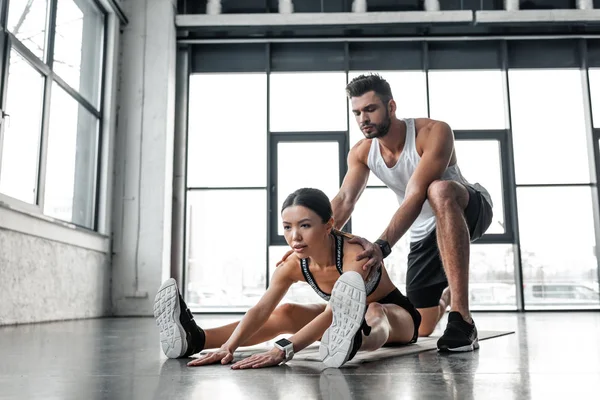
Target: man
(416, 159)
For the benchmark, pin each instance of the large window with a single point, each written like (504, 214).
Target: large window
(480, 162)
(558, 246)
(51, 104)
(308, 102)
(468, 99)
(226, 247)
(520, 132)
(554, 193)
(27, 21)
(548, 125)
(22, 131)
(226, 190)
(241, 115)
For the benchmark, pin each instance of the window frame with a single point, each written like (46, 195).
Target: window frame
(508, 194)
(273, 237)
(8, 42)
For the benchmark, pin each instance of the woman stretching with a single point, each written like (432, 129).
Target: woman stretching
(363, 312)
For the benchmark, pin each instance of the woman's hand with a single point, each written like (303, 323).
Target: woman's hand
(223, 355)
(267, 359)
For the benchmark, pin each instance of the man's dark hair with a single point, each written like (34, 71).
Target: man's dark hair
(313, 199)
(370, 82)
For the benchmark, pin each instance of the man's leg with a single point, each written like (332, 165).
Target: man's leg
(448, 200)
(461, 217)
(432, 315)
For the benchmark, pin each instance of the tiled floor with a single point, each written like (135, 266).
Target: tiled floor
(551, 355)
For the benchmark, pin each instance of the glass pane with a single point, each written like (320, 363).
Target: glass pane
(71, 160)
(22, 130)
(27, 21)
(559, 137)
(371, 216)
(468, 99)
(242, 116)
(479, 162)
(308, 102)
(594, 78)
(492, 276)
(78, 46)
(223, 270)
(323, 172)
(299, 292)
(408, 106)
(558, 246)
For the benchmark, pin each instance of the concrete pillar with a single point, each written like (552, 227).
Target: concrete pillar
(286, 6)
(511, 5)
(144, 156)
(432, 5)
(359, 6)
(585, 4)
(213, 7)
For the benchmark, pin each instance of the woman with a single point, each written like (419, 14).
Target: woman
(364, 312)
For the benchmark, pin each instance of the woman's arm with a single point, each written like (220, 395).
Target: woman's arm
(304, 337)
(256, 316)
(260, 313)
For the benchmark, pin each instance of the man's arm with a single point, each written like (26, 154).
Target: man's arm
(353, 185)
(437, 153)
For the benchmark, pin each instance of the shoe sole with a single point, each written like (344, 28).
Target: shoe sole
(470, 347)
(349, 304)
(167, 312)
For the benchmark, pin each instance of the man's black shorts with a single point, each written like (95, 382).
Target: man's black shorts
(425, 276)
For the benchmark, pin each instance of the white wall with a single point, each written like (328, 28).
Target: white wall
(144, 156)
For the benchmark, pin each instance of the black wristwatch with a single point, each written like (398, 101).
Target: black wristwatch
(384, 246)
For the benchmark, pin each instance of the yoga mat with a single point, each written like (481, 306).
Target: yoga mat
(311, 353)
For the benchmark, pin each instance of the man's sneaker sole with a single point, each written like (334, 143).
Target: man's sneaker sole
(470, 347)
(348, 304)
(167, 312)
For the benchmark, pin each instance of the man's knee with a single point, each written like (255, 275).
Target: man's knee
(444, 194)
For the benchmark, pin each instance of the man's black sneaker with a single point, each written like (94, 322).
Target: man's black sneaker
(343, 338)
(459, 335)
(179, 334)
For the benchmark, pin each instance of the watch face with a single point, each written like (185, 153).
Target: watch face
(283, 342)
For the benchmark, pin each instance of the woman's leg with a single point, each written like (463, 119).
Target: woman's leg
(389, 323)
(287, 318)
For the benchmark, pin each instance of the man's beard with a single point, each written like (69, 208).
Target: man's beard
(380, 129)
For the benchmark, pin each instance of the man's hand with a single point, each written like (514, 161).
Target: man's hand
(285, 256)
(266, 359)
(371, 251)
(222, 355)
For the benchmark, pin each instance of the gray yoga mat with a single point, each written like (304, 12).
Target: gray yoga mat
(311, 353)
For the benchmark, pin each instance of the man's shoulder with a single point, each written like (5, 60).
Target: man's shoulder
(425, 124)
(361, 149)
(423, 127)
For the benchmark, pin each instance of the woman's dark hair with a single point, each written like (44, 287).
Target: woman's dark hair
(313, 199)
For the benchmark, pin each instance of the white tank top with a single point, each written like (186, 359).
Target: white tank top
(396, 178)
